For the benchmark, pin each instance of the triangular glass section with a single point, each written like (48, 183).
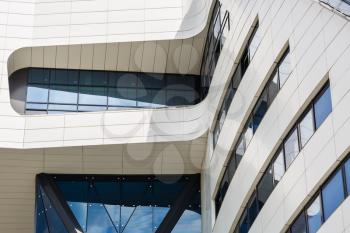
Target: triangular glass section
(98, 220)
(54, 221)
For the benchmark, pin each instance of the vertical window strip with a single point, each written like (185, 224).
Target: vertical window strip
(279, 165)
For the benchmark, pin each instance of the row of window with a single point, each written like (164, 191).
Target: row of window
(298, 136)
(279, 76)
(213, 46)
(328, 198)
(242, 66)
(56, 90)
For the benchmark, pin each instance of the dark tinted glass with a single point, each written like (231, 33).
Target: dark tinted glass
(260, 110)
(265, 187)
(323, 107)
(332, 194)
(299, 226)
(252, 209)
(243, 223)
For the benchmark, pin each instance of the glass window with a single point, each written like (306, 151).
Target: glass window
(291, 147)
(314, 215)
(347, 175)
(39, 76)
(93, 95)
(231, 167)
(284, 69)
(273, 88)
(332, 194)
(63, 94)
(299, 226)
(278, 167)
(260, 110)
(37, 93)
(265, 187)
(323, 107)
(243, 223)
(62, 107)
(36, 106)
(248, 132)
(244, 61)
(306, 128)
(122, 97)
(252, 209)
(64, 77)
(254, 43)
(240, 150)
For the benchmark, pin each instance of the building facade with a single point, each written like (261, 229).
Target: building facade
(174, 116)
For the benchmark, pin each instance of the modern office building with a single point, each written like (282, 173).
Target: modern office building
(183, 116)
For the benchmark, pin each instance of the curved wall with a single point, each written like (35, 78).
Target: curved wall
(319, 51)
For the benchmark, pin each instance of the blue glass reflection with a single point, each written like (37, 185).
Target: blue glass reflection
(323, 107)
(132, 204)
(332, 194)
(190, 222)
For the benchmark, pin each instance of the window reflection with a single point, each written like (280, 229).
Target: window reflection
(306, 128)
(84, 90)
(323, 107)
(291, 147)
(314, 215)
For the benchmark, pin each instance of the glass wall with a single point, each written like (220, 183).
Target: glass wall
(115, 204)
(275, 83)
(343, 6)
(327, 199)
(286, 154)
(56, 90)
(244, 61)
(219, 23)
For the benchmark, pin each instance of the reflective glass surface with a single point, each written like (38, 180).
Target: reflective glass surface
(332, 194)
(116, 204)
(291, 147)
(323, 107)
(314, 215)
(306, 128)
(86, 90)
(299, 226)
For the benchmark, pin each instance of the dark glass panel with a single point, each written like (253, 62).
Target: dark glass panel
(265, 187)
(231, 167)
(149, 80)
(150, 98)
(332, 194)
(323, 107)
(260, 110)
(243, 223)
(93, 78)
(175, 98)
(39, 76)
(314, 215)
(41, 223)
(306, 127)
(291, 147)
(244, 61)
(54, 221)
(64, 77)
(159, 214)
(299, 226)
(252, 209)
(122, 79)
(37, 93)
